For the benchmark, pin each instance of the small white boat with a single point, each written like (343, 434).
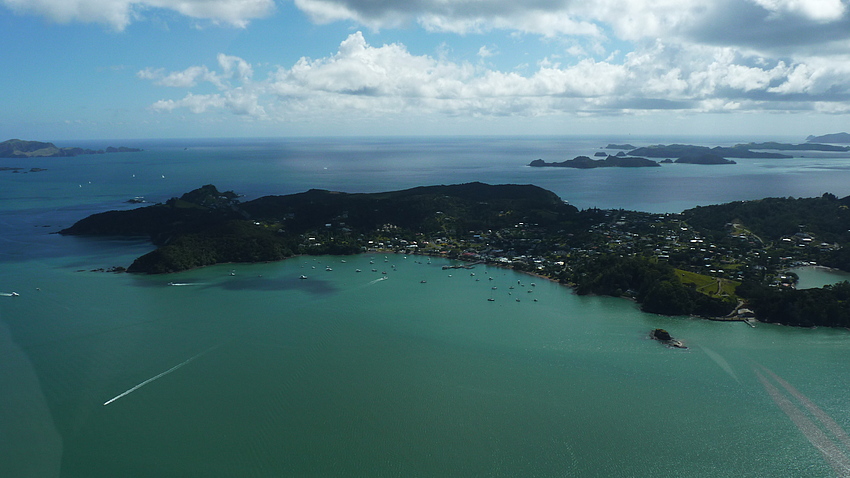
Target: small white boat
(303, 277)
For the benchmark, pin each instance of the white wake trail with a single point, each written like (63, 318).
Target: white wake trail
(834, 456)
(815, 410)
(721, 362)
(133, 389)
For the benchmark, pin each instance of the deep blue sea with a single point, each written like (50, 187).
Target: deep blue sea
(246, 370)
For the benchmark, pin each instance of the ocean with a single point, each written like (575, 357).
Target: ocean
(247, 370)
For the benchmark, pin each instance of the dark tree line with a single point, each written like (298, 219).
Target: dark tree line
(827, 306)
(653, 284)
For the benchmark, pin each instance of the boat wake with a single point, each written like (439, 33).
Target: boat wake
(155, 377)
(377, 280)
(828, 446)
(721, 362)
(9, 294)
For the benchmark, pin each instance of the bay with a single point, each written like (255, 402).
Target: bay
(812, 277)
(247, 370)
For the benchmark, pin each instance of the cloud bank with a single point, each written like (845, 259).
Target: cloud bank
(786, 26)
(760, 24)
(374, 80)
(608, 57)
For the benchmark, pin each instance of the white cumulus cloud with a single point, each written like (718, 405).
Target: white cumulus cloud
(368, 81)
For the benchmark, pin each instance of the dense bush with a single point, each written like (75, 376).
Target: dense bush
(654, 285)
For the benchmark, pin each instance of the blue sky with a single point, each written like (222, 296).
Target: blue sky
(101, 69)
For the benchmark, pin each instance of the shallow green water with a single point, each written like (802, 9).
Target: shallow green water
(351, 373)
(813, 277)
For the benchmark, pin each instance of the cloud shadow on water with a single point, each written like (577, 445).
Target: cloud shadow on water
(277, 284)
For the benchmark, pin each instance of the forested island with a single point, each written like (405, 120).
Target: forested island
(838, 138)
(16, 148)
(687, 150)
(583, 162)
(685, 154)
(713, 261)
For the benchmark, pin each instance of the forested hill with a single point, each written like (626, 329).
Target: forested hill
(426, 209)
(817, 229)
(826, 217)
(205, 226)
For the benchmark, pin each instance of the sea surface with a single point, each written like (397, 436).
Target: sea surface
(401, 369)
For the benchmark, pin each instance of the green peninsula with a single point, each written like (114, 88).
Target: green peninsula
(16, 148)
(718, 261)
(205, 226)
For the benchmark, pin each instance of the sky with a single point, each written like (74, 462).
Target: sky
(103, 69)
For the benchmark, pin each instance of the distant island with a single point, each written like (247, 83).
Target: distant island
(723, 262)
(704, 158)
(838, 138)
(687, 150)
(583, 162)
(687, 154)
(16, 148)
(794, 147)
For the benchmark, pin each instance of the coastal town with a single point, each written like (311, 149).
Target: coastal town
(729, 262)
(664, 237)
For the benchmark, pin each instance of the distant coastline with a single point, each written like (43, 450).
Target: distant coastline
(631, 156)
(835, 138)
(17, 148)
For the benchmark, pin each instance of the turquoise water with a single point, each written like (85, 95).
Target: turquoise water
(811, 277)
(247, 370)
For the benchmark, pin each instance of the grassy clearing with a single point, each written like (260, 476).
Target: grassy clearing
(710, 286)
